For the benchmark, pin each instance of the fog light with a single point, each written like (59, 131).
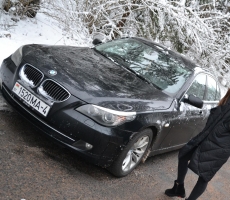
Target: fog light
(88, 146)
(80, 144)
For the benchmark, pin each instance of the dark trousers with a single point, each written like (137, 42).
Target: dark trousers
(201, 184)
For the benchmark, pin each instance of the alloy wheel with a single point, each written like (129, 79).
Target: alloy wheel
(135, 153)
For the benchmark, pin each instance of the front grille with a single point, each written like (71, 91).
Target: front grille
(53, 91)
(31, 75)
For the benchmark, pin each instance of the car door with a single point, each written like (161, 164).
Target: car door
(186, 121)
(198, 116)
(211, 100)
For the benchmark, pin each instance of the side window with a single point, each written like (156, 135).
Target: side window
(211, 89)
(198, 86)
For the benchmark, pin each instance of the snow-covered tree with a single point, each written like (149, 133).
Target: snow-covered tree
(197, 28)
(22, 7)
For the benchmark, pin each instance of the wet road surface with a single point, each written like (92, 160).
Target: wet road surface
(33, 167)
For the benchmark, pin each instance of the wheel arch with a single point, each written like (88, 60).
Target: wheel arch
(155, 133)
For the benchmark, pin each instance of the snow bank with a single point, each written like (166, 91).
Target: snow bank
(39, 30)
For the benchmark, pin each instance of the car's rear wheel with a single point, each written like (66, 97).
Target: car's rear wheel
(132, 154)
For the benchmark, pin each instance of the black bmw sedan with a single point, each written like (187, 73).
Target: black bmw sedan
(115, 104)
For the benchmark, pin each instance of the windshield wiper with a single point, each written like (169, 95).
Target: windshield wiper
(138, 75)
(114, 57)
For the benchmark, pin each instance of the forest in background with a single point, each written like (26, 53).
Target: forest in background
(199, 29)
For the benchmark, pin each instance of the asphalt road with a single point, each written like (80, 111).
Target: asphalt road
(33, 167)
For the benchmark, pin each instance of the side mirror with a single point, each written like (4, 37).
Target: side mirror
(193, 100)
(97, 41)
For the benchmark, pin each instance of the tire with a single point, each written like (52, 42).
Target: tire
(131, 156)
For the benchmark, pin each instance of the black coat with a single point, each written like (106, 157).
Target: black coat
(211, 147)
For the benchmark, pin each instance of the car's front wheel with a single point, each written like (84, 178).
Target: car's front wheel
(132, 154)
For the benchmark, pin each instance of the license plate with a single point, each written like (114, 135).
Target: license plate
(30, 99)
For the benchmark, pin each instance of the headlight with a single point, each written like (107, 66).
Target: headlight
(105, 116)
(16, 57)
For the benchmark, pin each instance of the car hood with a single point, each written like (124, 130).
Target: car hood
(95, 79)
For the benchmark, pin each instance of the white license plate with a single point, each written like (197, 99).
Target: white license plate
(31, 100)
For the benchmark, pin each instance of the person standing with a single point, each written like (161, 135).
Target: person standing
(205, 153)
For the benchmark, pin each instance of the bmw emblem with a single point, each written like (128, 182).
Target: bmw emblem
(52, 72)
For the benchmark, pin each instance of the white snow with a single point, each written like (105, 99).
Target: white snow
(39, 30)
(25, 79)
(43, 92)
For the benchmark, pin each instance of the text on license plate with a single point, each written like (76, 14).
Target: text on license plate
(31, 100)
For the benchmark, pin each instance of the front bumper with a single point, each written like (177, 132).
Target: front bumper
(67, 126)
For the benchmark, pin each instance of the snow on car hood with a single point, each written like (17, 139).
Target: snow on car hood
(95, 79)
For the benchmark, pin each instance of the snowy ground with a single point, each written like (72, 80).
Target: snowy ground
(40, 30)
